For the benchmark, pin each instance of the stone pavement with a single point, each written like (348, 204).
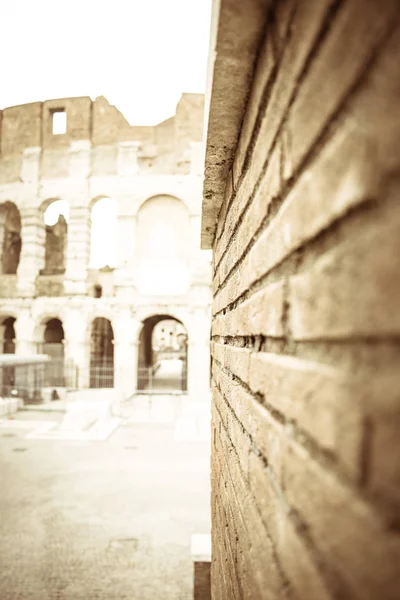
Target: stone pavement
(104, 520)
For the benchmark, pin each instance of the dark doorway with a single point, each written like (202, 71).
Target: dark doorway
(53, 346)
(102, 354)
(8, 343)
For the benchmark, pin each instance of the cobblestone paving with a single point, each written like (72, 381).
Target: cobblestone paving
(101, 520)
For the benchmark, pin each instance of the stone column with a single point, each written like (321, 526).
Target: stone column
(199, 355)
(126, 332)
(32, 251)
(77, 345)
(32, 224)
(24, 333)
(78, 250)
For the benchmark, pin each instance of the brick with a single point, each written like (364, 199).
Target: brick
(307, 23)
(292, 551)
(349, 535)
(238, 439)
(235, 359)
(250, 221)
(227, 570)
(303, 215)
(383, 469)
(265, 432)
(359, 28)
(368, 138)
(265, 579)
(261, 314)
(326, 303)
(321, 400)
(262, 77)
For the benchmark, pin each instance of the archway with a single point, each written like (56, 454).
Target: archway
(7, 340)
(8, 335)
(162, 359)
(10, 238)
(53, 346)
(102, 354)
(162, 250)
(56, 218)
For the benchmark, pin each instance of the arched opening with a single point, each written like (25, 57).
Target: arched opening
(8, 335)
(53, 346)
(7, 339)
(163, 246)
(102, 354)
(162, 360)
(103, 234)
(10, 238)
(56, 218)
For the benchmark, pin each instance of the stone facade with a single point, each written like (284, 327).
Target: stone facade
(302, 210)
(100, 155)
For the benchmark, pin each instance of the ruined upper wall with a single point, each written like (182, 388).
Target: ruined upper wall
(30, 125)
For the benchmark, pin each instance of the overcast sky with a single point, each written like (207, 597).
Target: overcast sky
(140, 54)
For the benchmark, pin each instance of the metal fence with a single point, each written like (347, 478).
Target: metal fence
(26, 377)
(101, 374)
(157, 379)
(61, 373)
(22, 377)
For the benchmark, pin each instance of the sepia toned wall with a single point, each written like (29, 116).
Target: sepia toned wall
(302, 209)
(101, 155)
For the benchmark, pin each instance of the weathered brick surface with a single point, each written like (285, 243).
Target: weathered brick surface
(261, 314)
(321, 400)
(348, 533)
(325, 300)
(305, 445)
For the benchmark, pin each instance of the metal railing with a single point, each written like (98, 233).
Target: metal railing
(61, 373)
(22, 377)
(101, 374)
(157, 379)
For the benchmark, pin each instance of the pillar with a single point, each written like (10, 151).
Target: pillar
(24, 333)
(126, 332)
(199, 355)
(78, 250)
(77, 344)
(32, 250)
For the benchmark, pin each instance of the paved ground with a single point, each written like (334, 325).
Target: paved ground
(101, 520)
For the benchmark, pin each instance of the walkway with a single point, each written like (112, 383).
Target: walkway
(168, 376)
(106, 520)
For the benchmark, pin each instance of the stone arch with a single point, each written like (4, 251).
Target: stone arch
(155, 356)
(55, 214)
(10, 238)
(162, 194)
(50, 340)
(7, 334)
(101, 353)
(162, 249)
(103, 225)
(41, 323)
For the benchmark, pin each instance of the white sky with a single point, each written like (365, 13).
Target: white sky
(140, 54)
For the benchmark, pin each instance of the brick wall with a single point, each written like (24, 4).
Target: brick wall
(306, 313)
